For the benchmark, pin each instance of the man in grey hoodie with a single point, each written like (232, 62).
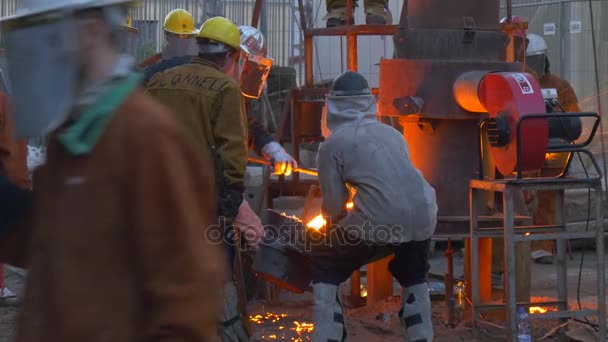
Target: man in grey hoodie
(394, 211)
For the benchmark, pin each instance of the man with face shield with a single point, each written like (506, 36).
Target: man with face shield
(394, 211)
(537, 64)
(537, 61)
(180, 45)
(111, 234)
(207, 100)
(128, 38)
(254, 68)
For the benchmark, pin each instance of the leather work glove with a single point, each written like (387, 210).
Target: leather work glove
(250, 225)
(282, 162)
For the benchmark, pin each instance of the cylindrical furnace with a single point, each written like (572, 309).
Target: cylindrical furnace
(440, 41)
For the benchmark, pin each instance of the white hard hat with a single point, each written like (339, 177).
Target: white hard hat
(35, 7)
(536, 45)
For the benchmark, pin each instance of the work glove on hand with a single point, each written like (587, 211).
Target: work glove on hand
(282, 162)
(250, 225)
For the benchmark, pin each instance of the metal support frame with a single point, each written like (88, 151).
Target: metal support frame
(511, 234)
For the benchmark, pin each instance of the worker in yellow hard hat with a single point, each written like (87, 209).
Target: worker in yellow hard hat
(180, 45)
(128, 37)
(207, 99)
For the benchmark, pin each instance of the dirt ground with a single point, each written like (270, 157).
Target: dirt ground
(289, 317)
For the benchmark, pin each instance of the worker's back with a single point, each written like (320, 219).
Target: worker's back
(193, 91)
(374, 158)
(207, 101)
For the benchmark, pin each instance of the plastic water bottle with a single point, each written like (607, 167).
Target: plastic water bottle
(523, 330)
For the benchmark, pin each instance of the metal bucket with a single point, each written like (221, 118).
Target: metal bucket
(282, 258)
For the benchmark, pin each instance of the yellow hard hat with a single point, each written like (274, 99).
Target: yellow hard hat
(179, 21)
(222, 31)
(128, 25)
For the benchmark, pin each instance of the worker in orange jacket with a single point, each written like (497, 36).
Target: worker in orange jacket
(544, 212)
(112, 234)
(13, 152)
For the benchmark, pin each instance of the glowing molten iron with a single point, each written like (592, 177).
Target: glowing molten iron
(317, 222)
(537, 310)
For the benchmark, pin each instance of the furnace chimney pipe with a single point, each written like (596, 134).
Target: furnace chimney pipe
(466, 91)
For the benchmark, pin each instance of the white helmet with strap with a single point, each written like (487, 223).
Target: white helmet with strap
(254, 64)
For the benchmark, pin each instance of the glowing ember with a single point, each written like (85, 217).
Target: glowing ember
(293, 217)
(298, 332)
(303, 327)
(267, 317)
(537, 310)
(317, 223)
(350, 205)
(363, 291)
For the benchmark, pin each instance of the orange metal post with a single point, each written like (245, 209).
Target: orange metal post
(355, 284)
(485, 268)
(351, 52)
(379, 281)
(308, 61)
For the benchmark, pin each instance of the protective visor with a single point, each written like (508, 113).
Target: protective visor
(42, 69)
(253, 75)
(128, 40)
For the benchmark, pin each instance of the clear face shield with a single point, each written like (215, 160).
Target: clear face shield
(179, 45)
(42, 64)
(128, 41)
(254, 64)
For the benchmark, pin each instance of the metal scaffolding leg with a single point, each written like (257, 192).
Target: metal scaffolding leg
(599, 240)
(473, 199)
(560, 257)
(509, 274)
(513, 234)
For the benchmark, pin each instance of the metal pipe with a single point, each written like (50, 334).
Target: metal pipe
(299, 170)
(257, 9)
(509, 9)
(449, 284)
(403, 17)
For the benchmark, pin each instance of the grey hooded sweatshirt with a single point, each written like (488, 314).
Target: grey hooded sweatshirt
(373, 158)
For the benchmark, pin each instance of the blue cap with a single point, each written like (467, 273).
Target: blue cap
(521, 310)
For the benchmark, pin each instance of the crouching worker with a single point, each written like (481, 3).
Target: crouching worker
(394, 211)
(112, 234)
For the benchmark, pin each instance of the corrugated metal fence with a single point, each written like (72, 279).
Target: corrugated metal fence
(278, 21)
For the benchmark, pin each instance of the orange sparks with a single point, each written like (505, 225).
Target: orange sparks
(350, 205)
(317, 222)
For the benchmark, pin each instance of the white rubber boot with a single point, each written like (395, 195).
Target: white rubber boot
(327, 314)
(232, 329)
(416, 313)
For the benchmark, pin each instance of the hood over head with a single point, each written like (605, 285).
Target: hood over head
(349, 110)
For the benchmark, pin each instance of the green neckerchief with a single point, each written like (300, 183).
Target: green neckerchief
(80, 137)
